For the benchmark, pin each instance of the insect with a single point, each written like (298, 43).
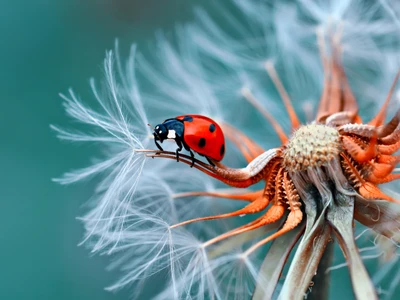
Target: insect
(193, 132)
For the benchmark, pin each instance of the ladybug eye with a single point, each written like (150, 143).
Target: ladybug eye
(157, 127)
(160, 131)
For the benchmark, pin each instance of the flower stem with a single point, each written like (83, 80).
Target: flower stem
(321, 280)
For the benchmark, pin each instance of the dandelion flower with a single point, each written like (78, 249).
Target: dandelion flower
(156, 216)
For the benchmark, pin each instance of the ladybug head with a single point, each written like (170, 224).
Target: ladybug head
(160, 132)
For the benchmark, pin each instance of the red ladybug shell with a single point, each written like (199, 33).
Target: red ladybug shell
(204, 136)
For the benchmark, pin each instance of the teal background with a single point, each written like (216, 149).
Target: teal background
(47, 47)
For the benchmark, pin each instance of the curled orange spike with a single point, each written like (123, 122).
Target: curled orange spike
(366, 189)
(386, 130)
(352, 168)
(393, 137)
(337, 95)
(247, 94)
(293, 219)
(382, 170)
(256, 206)
(358, 153)
(388, 159)
(247, 146)
(370, 191)
(348, 101)
(326, 64)
(210, 170)
(253, 173)
(284, 95)
(250, 196)
(380, 116)
(273, 214)
(375, 180)
(389, 149)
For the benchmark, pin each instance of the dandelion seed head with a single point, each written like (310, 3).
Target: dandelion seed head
(311, 146)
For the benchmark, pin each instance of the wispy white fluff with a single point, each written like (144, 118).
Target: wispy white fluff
(204, 72)
(119, 124)
(388, 277)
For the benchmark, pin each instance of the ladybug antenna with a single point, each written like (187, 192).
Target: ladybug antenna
(153, 136)
(152, 128)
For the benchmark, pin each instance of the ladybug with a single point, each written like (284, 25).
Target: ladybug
(193, 132)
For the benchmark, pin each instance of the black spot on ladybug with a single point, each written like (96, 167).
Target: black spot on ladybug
(222, 150)
(187, 118)
(212, 128)
(202, 142)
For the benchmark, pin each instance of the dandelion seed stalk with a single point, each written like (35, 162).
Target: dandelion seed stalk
(321, 282)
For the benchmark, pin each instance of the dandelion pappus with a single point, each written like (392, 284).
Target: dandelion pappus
(193, 132)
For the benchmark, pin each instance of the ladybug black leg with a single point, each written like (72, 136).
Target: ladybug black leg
(192, 156)
(187, 148)
(210, 161)
(179, 143)
(158, 145)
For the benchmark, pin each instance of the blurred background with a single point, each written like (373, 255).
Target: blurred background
(47, 47)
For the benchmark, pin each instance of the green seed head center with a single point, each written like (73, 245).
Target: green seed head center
(311, 146)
